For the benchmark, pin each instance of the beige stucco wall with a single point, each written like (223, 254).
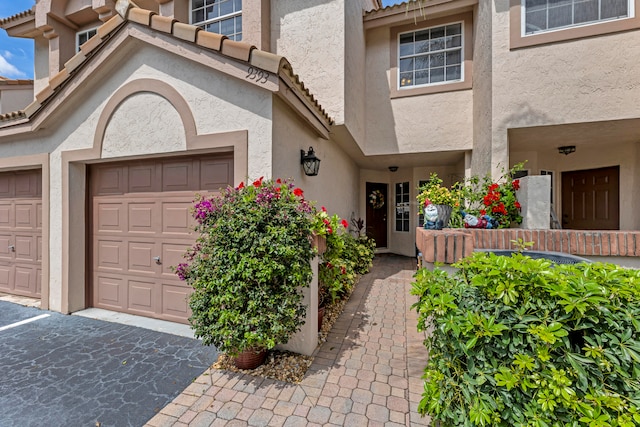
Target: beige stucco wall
(411, 124)
(336, 186)
(218, 103)
(311, 35)
(15, 97)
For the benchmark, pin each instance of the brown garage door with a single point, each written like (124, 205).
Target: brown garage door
(21, 233)
(141, 227)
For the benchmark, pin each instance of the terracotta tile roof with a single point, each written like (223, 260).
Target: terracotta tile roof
(240, 51)
(7, 81)
(26, 13)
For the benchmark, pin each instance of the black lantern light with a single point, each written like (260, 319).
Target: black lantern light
(310, 163)
(567, 149)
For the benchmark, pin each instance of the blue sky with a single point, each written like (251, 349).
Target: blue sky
(16, 55)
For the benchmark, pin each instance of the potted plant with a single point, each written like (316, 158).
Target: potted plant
(248, 266)
(437, 202)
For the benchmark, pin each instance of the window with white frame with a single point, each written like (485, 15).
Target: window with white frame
(83, 36)
(431, 56)
(546, 15)
(402, 206)
(218, 16)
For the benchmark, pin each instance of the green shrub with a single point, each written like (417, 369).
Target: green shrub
(346, 257)
(520, 342)
(250, 260)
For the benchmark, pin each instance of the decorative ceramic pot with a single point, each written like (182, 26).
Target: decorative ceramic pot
(250, 358)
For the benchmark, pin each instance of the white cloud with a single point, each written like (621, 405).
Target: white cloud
(7, 54)
(9, 70)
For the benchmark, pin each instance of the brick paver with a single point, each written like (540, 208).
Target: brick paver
(368, 372)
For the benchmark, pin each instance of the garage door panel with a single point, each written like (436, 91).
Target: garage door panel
(172, 255)
(110, 255)
(140, 256)
(142, 296)
(25, 280)
(143, 217)
(25, 248)
(6, 216)
(175, 301)
(215, 174)
(110, 217)
(109, 180)
(21, 232)
(110, 292)
(142, 179)
(6, 277)
(25, 216)
(6, 252)
(6, 185)
(176, 218)
(26, 184)
(152, 218)
(178, 176)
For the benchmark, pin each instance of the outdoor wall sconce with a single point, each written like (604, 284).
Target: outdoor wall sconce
(567, 149)
(393, 168)
(310, 163)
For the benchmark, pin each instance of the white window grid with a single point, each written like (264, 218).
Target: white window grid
(218, 16)
(83, 36)
(447, 51)
(551, 5)
(402, 207)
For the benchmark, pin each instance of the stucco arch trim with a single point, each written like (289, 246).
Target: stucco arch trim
(151, 86)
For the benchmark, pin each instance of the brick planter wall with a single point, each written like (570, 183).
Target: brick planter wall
(450, 245)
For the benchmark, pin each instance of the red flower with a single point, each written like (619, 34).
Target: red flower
(329, 265)
(298, 192)
(493, 187)
(343, 270)
(257, 183)
(516, 184)
(241, 186)
(324, 209)
(278, 181)
(326, 221)
(483, 212)
(329, 230)
(277, 189)
(517, 205)
(344, 223)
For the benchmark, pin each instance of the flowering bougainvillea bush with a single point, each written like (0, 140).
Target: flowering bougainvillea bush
(515, 341)
(247, 268)
(346, 257)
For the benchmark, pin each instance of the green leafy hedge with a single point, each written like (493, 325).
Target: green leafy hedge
(515, 341)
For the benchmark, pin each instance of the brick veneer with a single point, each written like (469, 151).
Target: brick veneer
(450, 245)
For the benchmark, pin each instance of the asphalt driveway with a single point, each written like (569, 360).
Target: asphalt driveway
(73, 371)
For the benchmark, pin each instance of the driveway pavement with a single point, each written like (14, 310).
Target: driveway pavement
(73, 371)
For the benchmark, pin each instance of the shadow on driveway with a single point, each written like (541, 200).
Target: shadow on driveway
(74, 371)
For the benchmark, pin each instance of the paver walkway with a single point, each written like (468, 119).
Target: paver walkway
(368, 372)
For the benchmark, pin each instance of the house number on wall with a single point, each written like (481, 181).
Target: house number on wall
(258, 75)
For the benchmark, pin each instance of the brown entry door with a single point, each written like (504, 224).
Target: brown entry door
(377, 214)
(590, 199)
(142, 226)
(21, 233)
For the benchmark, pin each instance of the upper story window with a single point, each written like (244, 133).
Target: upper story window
(218, 16)
(431, 56)
(547, 15)
(83, 36)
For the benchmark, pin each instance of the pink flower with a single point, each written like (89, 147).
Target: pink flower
(323, 209)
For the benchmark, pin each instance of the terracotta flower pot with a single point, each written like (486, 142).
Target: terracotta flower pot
(320, 317)
(250, 358)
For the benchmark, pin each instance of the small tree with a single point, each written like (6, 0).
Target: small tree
(248, 266)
